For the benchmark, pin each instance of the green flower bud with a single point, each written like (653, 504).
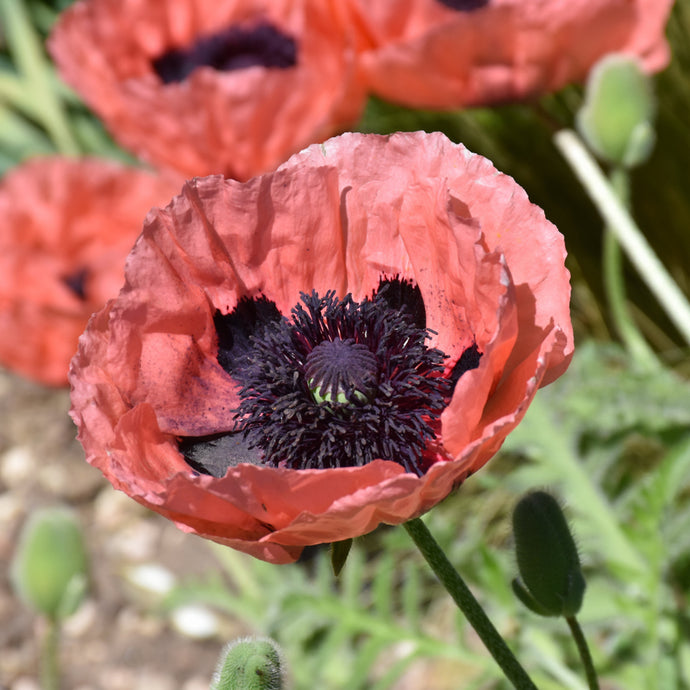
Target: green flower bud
(616, 117)
(250, 664)
(552, 583)
(49, 568)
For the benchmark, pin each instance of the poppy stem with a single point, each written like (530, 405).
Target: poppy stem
(50, 667)
(468, 604)
(617, 218)
(583, 649)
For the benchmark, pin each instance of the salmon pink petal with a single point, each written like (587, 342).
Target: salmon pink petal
(440, 54)
(68, 225)
(235, 284)
(211, 86)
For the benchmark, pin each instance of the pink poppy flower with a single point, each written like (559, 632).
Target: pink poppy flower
(211, 86)
(67, 226)
(454, 53)
(298, 358)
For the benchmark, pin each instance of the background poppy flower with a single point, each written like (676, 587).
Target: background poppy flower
(411, 224)
(211, 86)
(67, 226)
(453, 53)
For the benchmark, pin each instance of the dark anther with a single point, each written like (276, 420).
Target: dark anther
(234, 48)
(464, 5)
(76, 282)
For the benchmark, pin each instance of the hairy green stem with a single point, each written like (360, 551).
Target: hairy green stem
(642, 256)
(583, 650)
(468, 604)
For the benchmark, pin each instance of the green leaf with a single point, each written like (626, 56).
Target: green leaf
(339, 553)
(37, 75)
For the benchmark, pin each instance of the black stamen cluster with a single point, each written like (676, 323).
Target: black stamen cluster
(279, 415)
(339, 384)
(233, 48)
(464, 5)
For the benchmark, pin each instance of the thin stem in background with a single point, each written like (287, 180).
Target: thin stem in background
(614, 284)
(468, 604)
(50, 667)
(642, 256)
(583, 650)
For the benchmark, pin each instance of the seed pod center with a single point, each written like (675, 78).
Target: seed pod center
(341, 371)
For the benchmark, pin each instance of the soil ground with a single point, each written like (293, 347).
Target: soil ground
(115, 641)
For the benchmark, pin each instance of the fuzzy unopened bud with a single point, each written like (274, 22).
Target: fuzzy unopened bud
(551, 582)
(250, 664)
(49, 568)
(616, 119)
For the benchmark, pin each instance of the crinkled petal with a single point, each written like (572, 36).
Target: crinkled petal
(339, 216)
(422, 53)
(236, 122)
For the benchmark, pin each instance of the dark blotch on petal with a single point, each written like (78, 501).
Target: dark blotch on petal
(469, 359)
(249, 317)
(76, 282)
(231, 49)
(464, 5)
(213, 455)
(404, 296)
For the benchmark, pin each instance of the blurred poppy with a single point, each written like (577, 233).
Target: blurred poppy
(453, 53)
(340, 343)
(67, 226)
(211, 86)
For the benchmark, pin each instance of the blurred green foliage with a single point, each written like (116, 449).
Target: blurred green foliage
(614, 445)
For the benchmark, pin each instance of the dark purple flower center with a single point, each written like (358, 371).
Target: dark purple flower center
(464, 5)
(339, 384)
(234, 48)
(341, 371)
